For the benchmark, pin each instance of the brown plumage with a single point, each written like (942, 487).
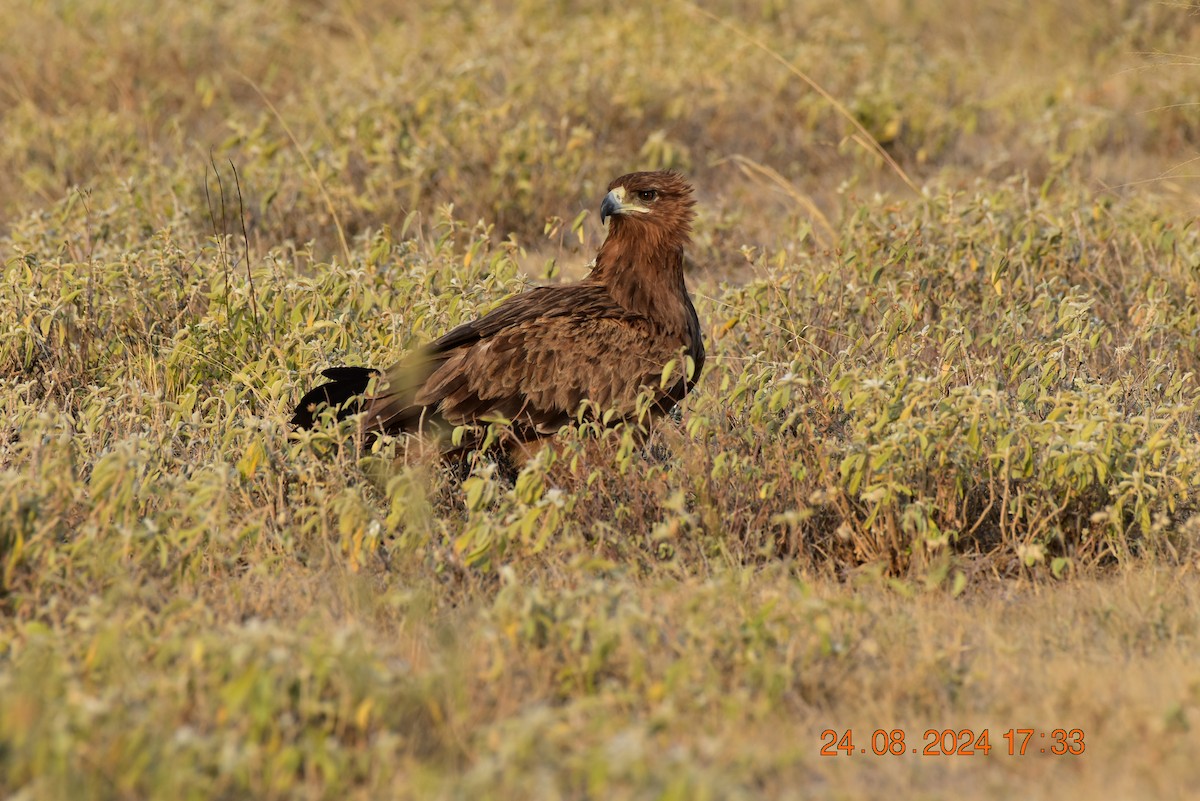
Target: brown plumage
(535, 358)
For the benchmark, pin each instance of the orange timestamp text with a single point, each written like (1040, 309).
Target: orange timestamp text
(954, 742)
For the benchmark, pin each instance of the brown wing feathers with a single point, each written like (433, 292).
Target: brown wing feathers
(537, 356)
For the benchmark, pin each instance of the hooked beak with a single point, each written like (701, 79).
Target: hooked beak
(614, 203)
(611, 204)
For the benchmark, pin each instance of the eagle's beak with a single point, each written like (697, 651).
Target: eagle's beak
(611, 204)
(614, 203)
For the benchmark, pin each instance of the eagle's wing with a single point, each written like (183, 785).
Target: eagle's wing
(533, 361)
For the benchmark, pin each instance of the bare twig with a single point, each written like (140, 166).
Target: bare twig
(246, 245)
(217, 234)
(337, 222)
(816, 87)
(826, 236)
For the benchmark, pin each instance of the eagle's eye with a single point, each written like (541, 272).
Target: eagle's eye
(648, 195)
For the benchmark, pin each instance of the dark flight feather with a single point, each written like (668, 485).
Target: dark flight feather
(346, 384)
(535, 358)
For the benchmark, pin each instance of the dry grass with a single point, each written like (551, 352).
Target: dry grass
(940, 473)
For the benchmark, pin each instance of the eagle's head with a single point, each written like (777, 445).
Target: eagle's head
(650, 205)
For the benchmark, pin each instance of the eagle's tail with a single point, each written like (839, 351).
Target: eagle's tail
(343, 392)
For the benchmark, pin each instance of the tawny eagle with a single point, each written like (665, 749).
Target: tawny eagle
(541, 353)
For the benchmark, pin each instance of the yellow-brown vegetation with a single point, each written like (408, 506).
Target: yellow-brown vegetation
(941, 471)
